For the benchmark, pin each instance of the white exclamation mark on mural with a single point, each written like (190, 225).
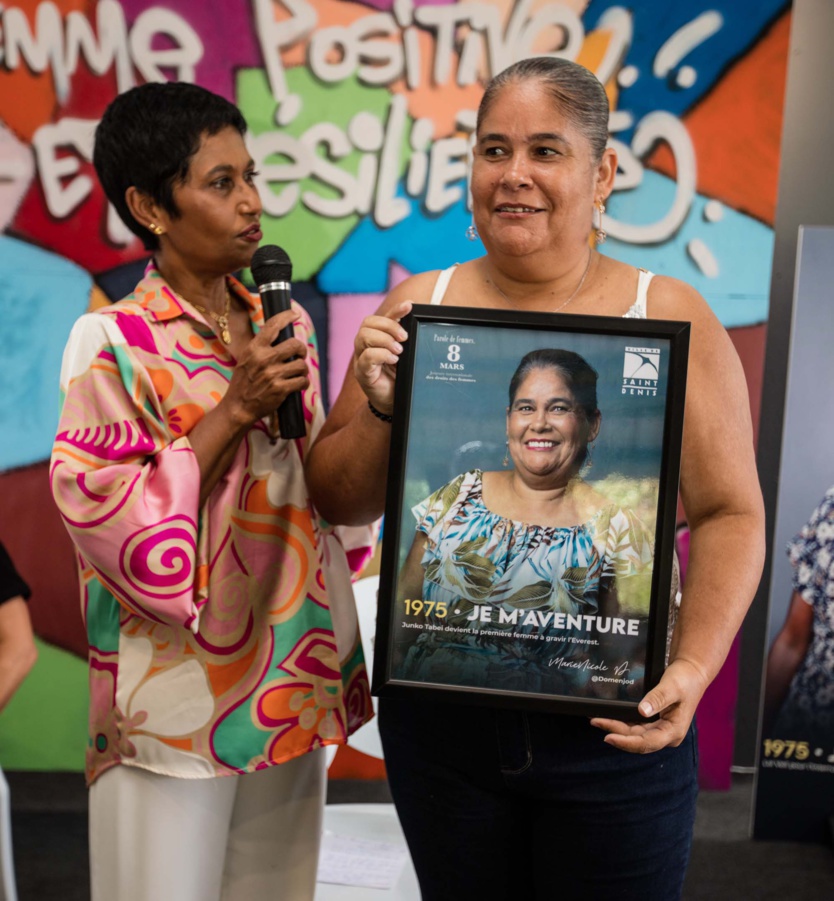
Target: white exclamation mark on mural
(678, 46)
(682, 43)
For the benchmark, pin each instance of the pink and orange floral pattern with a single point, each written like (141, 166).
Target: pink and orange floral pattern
(213, 648)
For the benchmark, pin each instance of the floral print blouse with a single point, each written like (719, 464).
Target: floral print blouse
(223, 637)
(476, 557)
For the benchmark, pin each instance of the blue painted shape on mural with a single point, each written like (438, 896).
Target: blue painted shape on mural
(419, 242)
(741, 246)
(42, 296)
(654, 23)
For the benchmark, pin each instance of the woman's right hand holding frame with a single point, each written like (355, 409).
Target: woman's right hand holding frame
(377, 349)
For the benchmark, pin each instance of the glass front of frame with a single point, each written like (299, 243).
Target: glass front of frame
(547, 609)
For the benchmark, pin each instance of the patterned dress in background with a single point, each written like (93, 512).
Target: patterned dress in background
(223, 637)
(808, 710)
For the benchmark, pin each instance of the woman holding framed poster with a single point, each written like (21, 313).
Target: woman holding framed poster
(584, 818)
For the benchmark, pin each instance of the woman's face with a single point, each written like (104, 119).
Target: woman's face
(547, 431)
(217, 231)
(534, 179)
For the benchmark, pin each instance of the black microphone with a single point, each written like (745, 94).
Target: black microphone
(272, 271)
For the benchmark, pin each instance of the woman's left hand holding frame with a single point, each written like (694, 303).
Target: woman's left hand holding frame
(724, 508)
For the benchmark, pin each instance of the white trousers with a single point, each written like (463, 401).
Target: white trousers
(8, 892)
(233, 838)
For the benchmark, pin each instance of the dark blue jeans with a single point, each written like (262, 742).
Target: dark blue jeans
(500, 805)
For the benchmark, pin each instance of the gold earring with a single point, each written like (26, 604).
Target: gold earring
(156, 229)
(600, 234)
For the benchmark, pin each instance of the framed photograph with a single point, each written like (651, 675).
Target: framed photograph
(528, 539)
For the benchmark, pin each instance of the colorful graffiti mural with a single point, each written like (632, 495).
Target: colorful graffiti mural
(361, 116)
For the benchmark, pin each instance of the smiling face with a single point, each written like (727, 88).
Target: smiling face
(217, 230)
(534, 176)
(547, 430)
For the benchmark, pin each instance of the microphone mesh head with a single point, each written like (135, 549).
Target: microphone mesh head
(271, 264)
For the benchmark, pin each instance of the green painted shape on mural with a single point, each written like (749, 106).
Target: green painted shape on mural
(44, 726)
(310, 239)
(235, 737)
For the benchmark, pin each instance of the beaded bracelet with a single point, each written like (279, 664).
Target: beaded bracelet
(383, 416)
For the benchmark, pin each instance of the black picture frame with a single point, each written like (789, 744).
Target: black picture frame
(449, 427)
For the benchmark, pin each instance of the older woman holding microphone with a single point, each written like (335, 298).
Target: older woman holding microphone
(501, 804)
(215, 674)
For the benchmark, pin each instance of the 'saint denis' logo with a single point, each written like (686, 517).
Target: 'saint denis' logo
(641, 369)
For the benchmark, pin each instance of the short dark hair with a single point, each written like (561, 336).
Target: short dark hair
(580, 376)
(146, 139)
(577, 92)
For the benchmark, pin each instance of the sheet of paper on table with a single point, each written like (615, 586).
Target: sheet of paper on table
(345, 860)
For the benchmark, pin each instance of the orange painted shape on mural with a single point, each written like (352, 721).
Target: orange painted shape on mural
(27, 99)
(442, 103)
(591, 56)
(736, 129)
(225, 676)
(98, 299)
(352, 764)
(330, 13)
(439, 103)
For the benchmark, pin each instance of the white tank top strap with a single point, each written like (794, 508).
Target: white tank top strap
(441, 284)
(639, 309)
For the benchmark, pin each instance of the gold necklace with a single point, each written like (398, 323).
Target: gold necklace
(561, 306)
(222, 319)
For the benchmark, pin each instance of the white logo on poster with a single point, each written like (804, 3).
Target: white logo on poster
(641, 369)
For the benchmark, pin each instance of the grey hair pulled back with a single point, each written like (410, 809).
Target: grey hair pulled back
(576, 91)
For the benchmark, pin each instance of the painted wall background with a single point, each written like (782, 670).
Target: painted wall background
(360, 116)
